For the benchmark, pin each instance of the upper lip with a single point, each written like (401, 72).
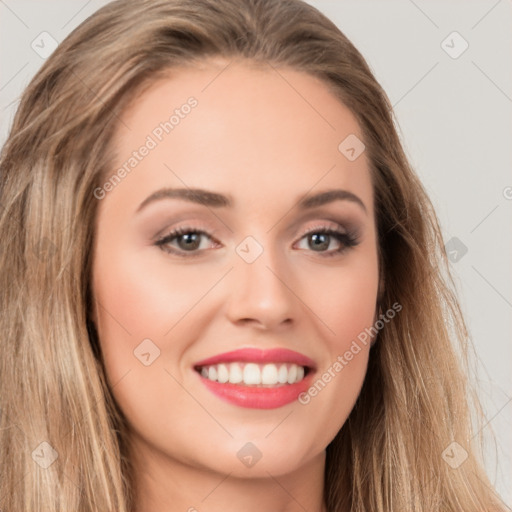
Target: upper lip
(258, 355)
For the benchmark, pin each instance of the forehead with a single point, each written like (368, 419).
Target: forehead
(252, 129)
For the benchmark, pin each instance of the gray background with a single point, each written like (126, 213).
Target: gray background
(455, 121)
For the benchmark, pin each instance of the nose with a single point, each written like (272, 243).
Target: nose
(261, 294)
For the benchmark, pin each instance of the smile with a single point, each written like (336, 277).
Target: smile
(256, 378)
(254, 374)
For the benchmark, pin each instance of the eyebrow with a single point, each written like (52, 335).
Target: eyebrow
(216, 200)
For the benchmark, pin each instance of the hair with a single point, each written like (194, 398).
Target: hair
(415, 399)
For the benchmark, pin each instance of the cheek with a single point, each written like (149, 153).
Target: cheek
(344, 299)
(141, 296)
(352, 309)
(132, 306)
(144, 296)
(138, 305)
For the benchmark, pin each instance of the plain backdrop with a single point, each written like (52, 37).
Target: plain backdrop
(446, 67)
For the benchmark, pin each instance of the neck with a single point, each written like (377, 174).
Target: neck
(164, 483)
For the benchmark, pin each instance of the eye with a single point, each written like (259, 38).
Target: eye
(183, 240)
(186, 241)
(322, 238)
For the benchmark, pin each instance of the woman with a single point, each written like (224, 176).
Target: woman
(224, 288)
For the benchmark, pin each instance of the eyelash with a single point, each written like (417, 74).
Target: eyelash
(346, 240)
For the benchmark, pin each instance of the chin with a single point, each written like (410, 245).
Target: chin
(260, 456)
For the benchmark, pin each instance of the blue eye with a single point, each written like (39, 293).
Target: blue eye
(186, 241)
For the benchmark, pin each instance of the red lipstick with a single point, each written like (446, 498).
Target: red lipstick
(257, 355)
(258, 396)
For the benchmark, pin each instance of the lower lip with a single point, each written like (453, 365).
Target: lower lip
(258, 397)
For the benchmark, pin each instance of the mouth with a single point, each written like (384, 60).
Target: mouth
(254, 374)
(255, 378)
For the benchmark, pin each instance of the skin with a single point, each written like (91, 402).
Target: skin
(266, 138)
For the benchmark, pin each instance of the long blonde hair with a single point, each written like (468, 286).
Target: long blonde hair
(414, 403)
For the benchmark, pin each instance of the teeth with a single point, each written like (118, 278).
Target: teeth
(282, 376)
(253, 374)
(269, 374)
(222, 373)
(235, 373)
(292, 374)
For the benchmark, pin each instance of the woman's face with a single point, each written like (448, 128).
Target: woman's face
(251, 271)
